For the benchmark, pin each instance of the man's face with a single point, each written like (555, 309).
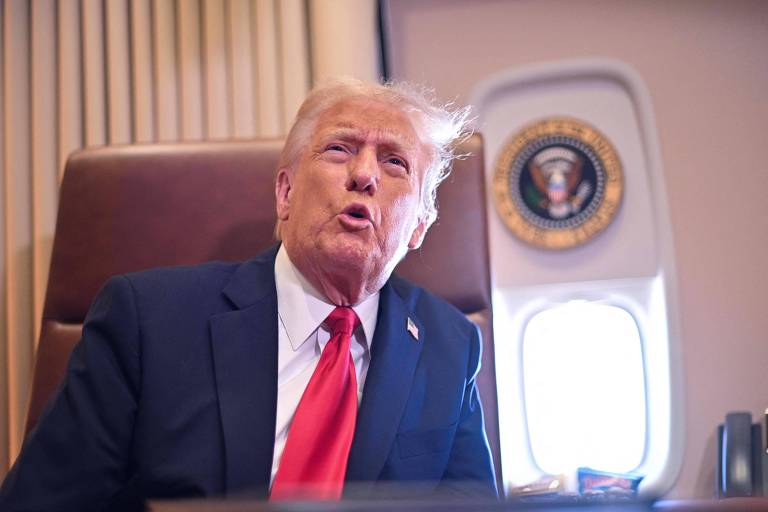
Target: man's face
(351, 202)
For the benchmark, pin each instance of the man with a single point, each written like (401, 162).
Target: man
(306, 372)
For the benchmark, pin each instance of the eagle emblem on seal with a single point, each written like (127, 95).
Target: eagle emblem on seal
(558, 183)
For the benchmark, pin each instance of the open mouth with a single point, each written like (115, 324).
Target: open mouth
(356, 216)
(357, 211)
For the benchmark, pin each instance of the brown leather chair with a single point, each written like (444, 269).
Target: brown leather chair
(133, 207)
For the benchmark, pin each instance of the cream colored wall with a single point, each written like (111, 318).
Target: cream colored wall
(706, 65)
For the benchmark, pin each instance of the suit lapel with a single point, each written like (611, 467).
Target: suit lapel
(394, 356)
(244, 345)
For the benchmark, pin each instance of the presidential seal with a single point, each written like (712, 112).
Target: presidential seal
(558, 183)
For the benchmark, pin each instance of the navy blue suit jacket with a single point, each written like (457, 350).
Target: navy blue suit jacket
(172, 392)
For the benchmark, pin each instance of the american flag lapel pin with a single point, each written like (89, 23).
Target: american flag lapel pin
(412, 329)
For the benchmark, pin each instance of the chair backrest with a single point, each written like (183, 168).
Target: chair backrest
(128, 208)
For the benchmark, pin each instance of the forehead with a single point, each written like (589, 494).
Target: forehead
(369, 119)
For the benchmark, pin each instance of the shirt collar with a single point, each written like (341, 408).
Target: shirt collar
(302, 308)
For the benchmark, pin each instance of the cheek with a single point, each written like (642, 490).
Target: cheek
(314, 194)
(318, 220)
(401, 214)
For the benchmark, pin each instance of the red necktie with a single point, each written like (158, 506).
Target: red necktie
(314, 460)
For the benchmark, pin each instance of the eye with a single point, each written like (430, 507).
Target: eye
(336, 147)
(397, 161)
(336, 152)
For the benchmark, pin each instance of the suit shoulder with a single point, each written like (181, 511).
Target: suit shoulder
(186, 290)
(215, 273)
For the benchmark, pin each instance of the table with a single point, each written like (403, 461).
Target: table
(244, 505)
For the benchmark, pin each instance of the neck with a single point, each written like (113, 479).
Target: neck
(342, 285)
(347, 288)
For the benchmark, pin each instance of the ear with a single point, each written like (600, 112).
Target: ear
(418, 234)
(283, 192)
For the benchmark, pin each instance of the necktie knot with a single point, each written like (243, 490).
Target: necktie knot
(342, 320)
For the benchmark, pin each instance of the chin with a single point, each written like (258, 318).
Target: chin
(350, 255)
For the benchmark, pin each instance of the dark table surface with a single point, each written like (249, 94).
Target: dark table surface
(727, 505)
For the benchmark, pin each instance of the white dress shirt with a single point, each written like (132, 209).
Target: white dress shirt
(301, 338)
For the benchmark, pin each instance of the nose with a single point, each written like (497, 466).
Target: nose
(364, 173)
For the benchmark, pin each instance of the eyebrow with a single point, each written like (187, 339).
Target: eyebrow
(386, 137)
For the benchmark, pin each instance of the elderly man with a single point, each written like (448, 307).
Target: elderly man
(289, 375)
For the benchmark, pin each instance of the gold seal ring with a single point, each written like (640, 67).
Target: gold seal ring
(558, 183)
